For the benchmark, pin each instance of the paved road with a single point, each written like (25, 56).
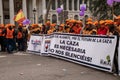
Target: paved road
(22, 66)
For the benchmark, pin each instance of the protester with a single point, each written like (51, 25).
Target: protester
(9, 34)
(25, 37)
(103, 29)
(47, 26)
(51, 29)
(2, 37)
(61, 28)
(20, 38)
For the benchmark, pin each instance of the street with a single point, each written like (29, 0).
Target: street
(24, 66)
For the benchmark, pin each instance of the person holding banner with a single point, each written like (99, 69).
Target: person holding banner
(89, 29)
(61, 28)
(20, 38)
(103, 29)
(113, 31)
(117, 23)
(47, 26)
(52, 28)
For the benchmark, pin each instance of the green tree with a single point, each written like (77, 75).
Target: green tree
(48, 8)
(102, 10)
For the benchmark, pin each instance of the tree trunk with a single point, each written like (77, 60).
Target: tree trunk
(48, 8)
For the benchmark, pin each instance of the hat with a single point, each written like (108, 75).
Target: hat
(95, 23)
(2, 25)
(20, 25)
(109, 22)
(79, 22)
(62, 25)
(72, 21)
(89, 23)
(7, 25)
(34, 25)
(118, 17)
(53, 25)
(67, 20)
(89, 19)
(102, 22)
(48, 22)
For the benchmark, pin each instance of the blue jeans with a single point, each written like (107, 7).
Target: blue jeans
(10, 45)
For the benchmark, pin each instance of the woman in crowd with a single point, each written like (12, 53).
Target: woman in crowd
(103, 29)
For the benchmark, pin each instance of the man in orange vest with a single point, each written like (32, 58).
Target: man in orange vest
(2, 37)
(9, 34)
(20, 38)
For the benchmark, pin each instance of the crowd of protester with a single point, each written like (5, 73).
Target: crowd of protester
(102, 27)
(10, 35)
(15, 37)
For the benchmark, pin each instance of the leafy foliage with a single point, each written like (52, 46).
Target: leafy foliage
(102, 10)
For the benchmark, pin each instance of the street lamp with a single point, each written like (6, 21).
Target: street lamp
(34, 13)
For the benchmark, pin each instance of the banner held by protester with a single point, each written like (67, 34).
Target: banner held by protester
(45, 49)
(93, 51)
(35, 44)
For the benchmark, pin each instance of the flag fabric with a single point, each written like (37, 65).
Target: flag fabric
(20, 17)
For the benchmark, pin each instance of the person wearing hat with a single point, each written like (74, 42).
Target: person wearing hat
(67, 27)
(35, 29)
(52, 28)
(89, 29)
(117, 23)
(9, 34)
(103, 29)
(2, 37)
(47, 26)
(25, 37)
(61, 28)
(20, 38)
(114, 31)
(79, 26)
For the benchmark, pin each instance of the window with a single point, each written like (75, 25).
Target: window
(75, 4)
(53, 4)
(85, 1)
(65, 4)
(54, 18)
(70, 4)
(47, 3)
(80, 2)
(86, 4)
(59, 1)
(17, 5)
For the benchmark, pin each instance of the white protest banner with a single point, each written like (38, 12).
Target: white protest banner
(119, 56)
(35, 44)
(93, 51)
(46, 44)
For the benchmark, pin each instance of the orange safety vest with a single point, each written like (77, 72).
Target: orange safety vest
(0, 32)
(9, 33)
(19, 35)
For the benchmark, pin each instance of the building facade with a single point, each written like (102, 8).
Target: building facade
(35, 10)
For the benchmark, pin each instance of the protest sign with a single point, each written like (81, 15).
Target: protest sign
(35, 44)
(93, 51)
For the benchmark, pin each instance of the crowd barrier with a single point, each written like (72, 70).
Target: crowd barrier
(93, 51)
